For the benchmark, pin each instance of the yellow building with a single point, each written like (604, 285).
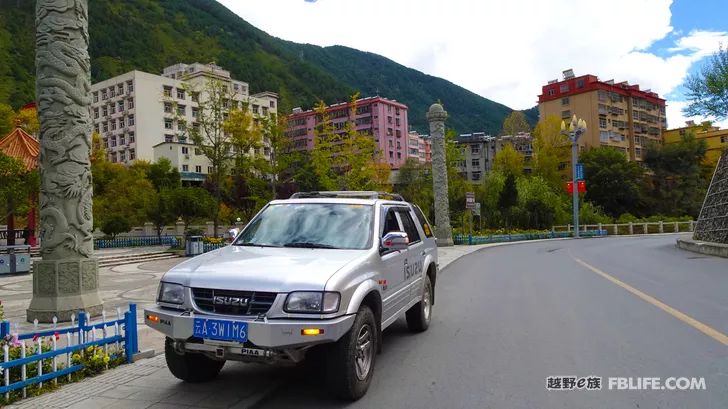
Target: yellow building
(618, 115)
(715, 138)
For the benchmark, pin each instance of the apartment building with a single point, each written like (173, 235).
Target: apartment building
(385, 120)
(419, 147)
(620, 115)
(715, 138)
(145, 116)
(478, 152)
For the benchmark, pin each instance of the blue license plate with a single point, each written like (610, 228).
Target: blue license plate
(220, 329)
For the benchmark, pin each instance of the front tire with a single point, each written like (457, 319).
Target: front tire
(419, 316)
(350, 363)
(190, 367)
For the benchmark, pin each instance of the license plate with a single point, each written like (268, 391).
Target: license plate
(220, 329)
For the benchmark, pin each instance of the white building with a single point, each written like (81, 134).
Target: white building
(143, 116)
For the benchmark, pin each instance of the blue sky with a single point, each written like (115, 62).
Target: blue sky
(507, 50)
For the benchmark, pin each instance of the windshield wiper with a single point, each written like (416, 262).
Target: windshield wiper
(308, 245)
(253, 245)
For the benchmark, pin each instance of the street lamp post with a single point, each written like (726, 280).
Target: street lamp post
(576, 128)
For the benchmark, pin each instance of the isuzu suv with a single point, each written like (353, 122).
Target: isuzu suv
(322, 273)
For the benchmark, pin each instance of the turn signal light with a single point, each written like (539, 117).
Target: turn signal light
(312, 331)
(153, 318)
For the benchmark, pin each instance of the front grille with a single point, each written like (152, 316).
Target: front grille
(258, 302)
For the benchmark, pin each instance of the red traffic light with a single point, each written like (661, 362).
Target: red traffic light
(580, 186)
(570, 187)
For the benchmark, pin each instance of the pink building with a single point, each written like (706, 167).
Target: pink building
(419, 147)
(385, 120)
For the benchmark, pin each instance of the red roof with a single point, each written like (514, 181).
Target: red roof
(21, 145)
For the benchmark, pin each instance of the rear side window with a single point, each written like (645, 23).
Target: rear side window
(423, 221)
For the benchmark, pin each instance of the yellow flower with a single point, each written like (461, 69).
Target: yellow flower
(76, 357)
(107, 359)
(89, 349)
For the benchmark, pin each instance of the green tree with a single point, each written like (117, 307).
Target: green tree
(121, 191)
(613, 182)
(509, 161)
(282, 157)
(677, 187)
(115, 224)
(164, 178)
(6, 119)
(550, 151)
(515, 123)
(191, 204)
(414, 183)
(707, 90)
(17, 186)
(163, 175)
(541, 207)
(508, 197)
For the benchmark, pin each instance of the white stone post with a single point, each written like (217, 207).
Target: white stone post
(436, 116)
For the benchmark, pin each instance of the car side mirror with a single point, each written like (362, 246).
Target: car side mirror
(395, 240)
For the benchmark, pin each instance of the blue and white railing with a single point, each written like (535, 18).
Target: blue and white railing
(64, 342)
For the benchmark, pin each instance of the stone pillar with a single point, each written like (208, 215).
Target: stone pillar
(66, 279)
(436, 117)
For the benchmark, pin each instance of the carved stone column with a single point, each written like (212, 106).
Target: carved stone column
(66, 279)
(436, 116)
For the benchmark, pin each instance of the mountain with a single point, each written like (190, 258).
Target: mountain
(149, 35)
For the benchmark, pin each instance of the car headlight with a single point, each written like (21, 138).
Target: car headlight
(171, 293)
(312, 302)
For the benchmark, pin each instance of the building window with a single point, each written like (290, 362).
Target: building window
(552, 92)
(121, 122)
(195, 97)
(579, 84)
(476, 175)
(603, 123)
(397, 122)
(167, 108)
(113, 157)
(120, 105)
(104, 111)
(96, 113)
(96, 96)
(475, 163)
(122, 140)
(168, 138)
(180, 93)
(96, 128)
(185, 150)
(132, 154)
(167, 124)
(399, 133)
(638, 152)
(105, 126)
(198, 168)
(111, 92)
(209, 169)
(120, 89)
(185, 168)
(564, 88)
(272, 104)
(131, 120)
(113, 141)
(474, 149)
(724, 139)
(181, 110)
(603, 136)
(399, 155)
(391, 154)
(389, 119)
(113, 125)
(194, 112)
(130, 86)
(565, 114)
(131, 137)
(112, 109)
(565, 101)
(389, 108)
(167, 91)
(130, 103)
(104, 94)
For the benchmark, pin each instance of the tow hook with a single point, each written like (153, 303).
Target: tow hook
(179, 347)
(220, 352)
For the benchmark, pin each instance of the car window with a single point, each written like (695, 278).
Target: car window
(423, 221)
(409, 226)
(390, 222)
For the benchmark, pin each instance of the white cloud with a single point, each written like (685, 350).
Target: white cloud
(502, 50)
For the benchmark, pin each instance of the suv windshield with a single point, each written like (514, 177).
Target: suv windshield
(311, 225)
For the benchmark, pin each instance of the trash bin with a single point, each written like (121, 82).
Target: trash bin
(193, 246)
(16, 260)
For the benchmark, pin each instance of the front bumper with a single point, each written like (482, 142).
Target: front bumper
(273, 333)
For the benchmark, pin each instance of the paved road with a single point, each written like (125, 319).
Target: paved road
(508, 317)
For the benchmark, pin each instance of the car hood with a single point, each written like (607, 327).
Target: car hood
(262, 268)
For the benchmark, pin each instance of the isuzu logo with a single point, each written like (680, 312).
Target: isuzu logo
(234, 301)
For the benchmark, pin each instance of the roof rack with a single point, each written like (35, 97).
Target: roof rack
(350, 195)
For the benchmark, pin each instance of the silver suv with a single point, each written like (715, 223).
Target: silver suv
(319, 272)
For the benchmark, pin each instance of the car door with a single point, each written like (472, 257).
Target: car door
(414, 262)
(395, 294)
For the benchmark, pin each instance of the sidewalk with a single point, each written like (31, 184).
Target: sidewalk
(148, 383)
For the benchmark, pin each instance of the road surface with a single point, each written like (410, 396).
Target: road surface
(506, 318)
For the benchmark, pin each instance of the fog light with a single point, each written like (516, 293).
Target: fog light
(153, 318)
(312, 331)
